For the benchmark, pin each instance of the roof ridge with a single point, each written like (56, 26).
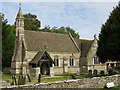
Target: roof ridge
(48, 32)
(86, 40)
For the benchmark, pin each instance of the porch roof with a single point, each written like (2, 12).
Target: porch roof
(38, 57)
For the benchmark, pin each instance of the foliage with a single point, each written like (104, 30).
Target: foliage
(109, 37)
(62, 30)
(31, 22)
(8, 37)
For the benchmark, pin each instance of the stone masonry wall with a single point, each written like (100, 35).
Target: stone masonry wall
(95, 82)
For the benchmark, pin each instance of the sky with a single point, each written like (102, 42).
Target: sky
(86, 18)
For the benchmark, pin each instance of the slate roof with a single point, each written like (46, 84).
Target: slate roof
(53, 42)
(84, 45)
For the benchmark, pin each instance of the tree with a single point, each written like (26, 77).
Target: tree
(63, 30)
(73, 33)
(31, 22)
(8, 37)
(109, 37)
(46, 29)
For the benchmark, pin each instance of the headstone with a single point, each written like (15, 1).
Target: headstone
(15, 80)
(39, 78)
(28, 77)
(24, 80)
(19, 79)
(102, 73)
(67, 76)
(95, 72)
(110, 71)
(77, 73)
(73, 77)
(90, 72)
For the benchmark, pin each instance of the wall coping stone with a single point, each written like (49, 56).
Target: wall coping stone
(57, 82)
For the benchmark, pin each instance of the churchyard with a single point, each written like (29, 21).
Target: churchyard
(15, 79)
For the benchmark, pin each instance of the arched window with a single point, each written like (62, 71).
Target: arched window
(71, 62)
(56, 60)
(96, 60)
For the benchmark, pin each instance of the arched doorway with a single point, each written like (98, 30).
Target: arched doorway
(44, 68)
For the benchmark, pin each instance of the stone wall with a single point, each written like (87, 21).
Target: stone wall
(95, 82)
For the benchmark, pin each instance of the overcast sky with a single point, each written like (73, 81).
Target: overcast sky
(85, 18)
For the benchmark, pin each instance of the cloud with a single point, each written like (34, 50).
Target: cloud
(85, 18)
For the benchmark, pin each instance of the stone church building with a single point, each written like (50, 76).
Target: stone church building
(48, 53)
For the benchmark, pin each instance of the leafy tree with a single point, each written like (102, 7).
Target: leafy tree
(109, 37)
(31, 22)
(8, 37)
(63, 30)
(46, 29)
(75, 35)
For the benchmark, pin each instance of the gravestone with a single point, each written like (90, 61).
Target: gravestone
(39, 78)
(73, 77)
(95, 72)
(24, 80)
(102, 73)
(90, 72)
(77, 73)
(15, 80)
(19, 79)
(28, 77)
(110, 71)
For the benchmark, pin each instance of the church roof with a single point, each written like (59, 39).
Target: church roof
(53, 42)
(84, 45)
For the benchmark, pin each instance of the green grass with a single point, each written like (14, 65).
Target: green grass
(65, 74)
(55, 79)
(7, 77)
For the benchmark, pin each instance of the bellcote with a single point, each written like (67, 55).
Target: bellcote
(19, 15)
(20, 19)
(19, 23)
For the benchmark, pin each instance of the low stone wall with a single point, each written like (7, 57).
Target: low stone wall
(95, 82)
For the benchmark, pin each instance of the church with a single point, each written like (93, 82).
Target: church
(49, 53)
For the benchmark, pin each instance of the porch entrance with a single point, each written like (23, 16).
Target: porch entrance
(45, 69)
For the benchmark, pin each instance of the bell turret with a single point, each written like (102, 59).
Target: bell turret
(19, 23)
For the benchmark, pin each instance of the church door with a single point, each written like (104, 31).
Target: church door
(44, 68)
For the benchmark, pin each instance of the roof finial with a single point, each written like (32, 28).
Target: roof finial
(45, 47)
(20, 3)
(95, 36)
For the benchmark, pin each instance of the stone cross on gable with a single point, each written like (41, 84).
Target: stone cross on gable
(45, 46)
